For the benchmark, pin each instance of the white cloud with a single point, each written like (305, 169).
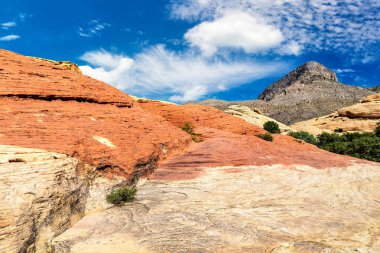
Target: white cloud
(8, 25)
(235, 29)
(178, 76)
(339, 71)
(93, 28)
(291, 48)
(348, 27)
(9, 37)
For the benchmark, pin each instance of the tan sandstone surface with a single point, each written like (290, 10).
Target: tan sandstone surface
(241, 209)
(255, 117)
(362, 117)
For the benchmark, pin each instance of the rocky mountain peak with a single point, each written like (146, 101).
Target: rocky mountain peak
(314, 68)
(308, 73)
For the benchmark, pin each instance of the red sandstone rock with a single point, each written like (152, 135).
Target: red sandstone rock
(199, 116)
(231, 141)
(27, 77)
(97, 131)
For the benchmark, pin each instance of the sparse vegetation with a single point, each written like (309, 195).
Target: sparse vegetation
(189, 128)
(305, 136)
(272, 127)
(266, 136)
(359, 145)
(121, 195)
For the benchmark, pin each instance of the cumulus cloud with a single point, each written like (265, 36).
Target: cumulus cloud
(180, 77)
(343, 26)
(93, 28)
(9, 37)
(235, 29)
(8, 25)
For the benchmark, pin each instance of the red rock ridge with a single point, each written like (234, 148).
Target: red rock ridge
(231, 141)
(25, 77)
(62, 111)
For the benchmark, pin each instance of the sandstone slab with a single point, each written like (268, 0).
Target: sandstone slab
(254, 117)
(41, 196)
(361, 117)
(242, 209)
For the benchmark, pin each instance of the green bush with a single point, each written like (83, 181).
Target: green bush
(305, 136)
(326, 138)
(266, 137)
(360, 145)
(189, 128)
(121, 195)
(272, 127)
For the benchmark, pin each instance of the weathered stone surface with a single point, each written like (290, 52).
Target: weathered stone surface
(361, 117)
(228, 140)
(61, 64)
(241, 209)
(309, 91)
(25, 77)
(254, 117)
(200, 116)
(369, 108)
(118, 141)
(85, 118)
(41, 196)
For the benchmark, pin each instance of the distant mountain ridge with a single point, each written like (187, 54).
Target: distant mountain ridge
(309, 91)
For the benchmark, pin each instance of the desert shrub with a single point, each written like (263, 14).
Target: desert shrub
(338, 130)
(336, 147)
(189, 128)
(266, 137)
(377, 130)
(305, 136)
(121, 195)
(326, 138)
(366, 148)
(272, 127)
(360, 145)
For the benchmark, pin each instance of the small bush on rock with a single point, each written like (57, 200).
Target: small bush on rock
(305, 136)
(266, 137)
(121, 195)
(272, 127)
(189, 128)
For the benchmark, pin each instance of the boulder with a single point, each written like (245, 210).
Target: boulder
(361, 117)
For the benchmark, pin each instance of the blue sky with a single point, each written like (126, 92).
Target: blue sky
(197, 49)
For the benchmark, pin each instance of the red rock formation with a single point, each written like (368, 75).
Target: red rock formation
(25, 77)
(231, 141)
(62, 111)
(200, 115)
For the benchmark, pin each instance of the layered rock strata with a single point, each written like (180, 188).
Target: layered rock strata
(361, 117)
